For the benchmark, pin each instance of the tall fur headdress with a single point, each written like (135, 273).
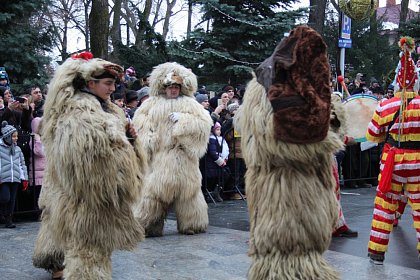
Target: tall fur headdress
(296, 77)
(172, 73)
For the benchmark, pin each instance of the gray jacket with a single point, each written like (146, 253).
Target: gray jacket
(12, 167)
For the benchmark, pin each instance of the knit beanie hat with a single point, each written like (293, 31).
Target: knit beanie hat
(6, 132)
(216, 125)
(201, 98)
(142, 93)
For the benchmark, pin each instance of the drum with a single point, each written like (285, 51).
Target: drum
(360, 109)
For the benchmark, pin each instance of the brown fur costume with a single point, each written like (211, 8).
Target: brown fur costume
(173, 149)
(290, 187)
(92, 178)
(296, 78)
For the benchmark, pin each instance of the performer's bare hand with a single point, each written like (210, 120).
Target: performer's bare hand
(131, 131)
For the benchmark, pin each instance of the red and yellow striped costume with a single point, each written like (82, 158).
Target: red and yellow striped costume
(406, 170)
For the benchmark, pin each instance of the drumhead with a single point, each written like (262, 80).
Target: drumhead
(360, 109)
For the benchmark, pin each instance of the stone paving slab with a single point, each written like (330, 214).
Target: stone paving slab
(218, 254)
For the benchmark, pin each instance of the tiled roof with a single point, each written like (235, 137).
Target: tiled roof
(392, 13)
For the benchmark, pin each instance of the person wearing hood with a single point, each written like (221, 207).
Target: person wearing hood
(13, 172)
(93, 173)
(175, 129)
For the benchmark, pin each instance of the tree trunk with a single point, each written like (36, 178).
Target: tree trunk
(144, 19)
(189, 18)
(169, 6)
(99, 28)
(404, 12)
(115, 32)
(64, 54)
(87, 27)
(317, 14)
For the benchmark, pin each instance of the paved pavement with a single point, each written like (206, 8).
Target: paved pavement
(221, 252)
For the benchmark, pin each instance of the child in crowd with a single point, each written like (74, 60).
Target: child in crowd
(216, 158)
(13, 172)
(37, 166)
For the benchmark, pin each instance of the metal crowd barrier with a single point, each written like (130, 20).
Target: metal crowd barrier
(360, 168)
(356, 169)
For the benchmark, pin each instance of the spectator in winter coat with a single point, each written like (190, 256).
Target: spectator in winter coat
(37, 165)
(13, 172)
(215, 160)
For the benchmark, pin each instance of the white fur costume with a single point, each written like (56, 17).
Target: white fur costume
(173, 150)
(92, 178)
(290, 191)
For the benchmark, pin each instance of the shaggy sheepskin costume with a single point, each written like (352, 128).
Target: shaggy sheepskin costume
(93, 176)
(173, 150)
(289, 179)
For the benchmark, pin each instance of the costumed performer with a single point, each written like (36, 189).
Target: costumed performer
(288, 148)
(93, 172)
(395, 122)
(174, 129)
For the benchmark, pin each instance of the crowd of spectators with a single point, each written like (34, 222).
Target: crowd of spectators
(222, 167)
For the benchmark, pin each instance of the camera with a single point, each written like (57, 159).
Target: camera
(20, 99)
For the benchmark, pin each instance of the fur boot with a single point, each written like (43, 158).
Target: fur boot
(151, 213)
(46, 254)
(188, 221)
(291, 267)
(87, 264)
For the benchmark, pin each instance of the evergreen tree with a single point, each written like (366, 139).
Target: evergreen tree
(241, 36)
(152, 53)
(23, 44)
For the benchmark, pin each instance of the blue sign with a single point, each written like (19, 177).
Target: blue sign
(345, 27)
(344, 43)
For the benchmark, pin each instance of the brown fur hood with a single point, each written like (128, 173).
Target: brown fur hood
(296, 78)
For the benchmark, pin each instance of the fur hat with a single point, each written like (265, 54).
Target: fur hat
(172, 73)
(201, 98)
(71, 76)
(232, 107)
(142, 93)
(6, 132)
(96, 68)
(296, 78)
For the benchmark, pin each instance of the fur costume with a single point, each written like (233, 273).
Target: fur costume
(93, 176)
(173, 151)
(290, 187)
